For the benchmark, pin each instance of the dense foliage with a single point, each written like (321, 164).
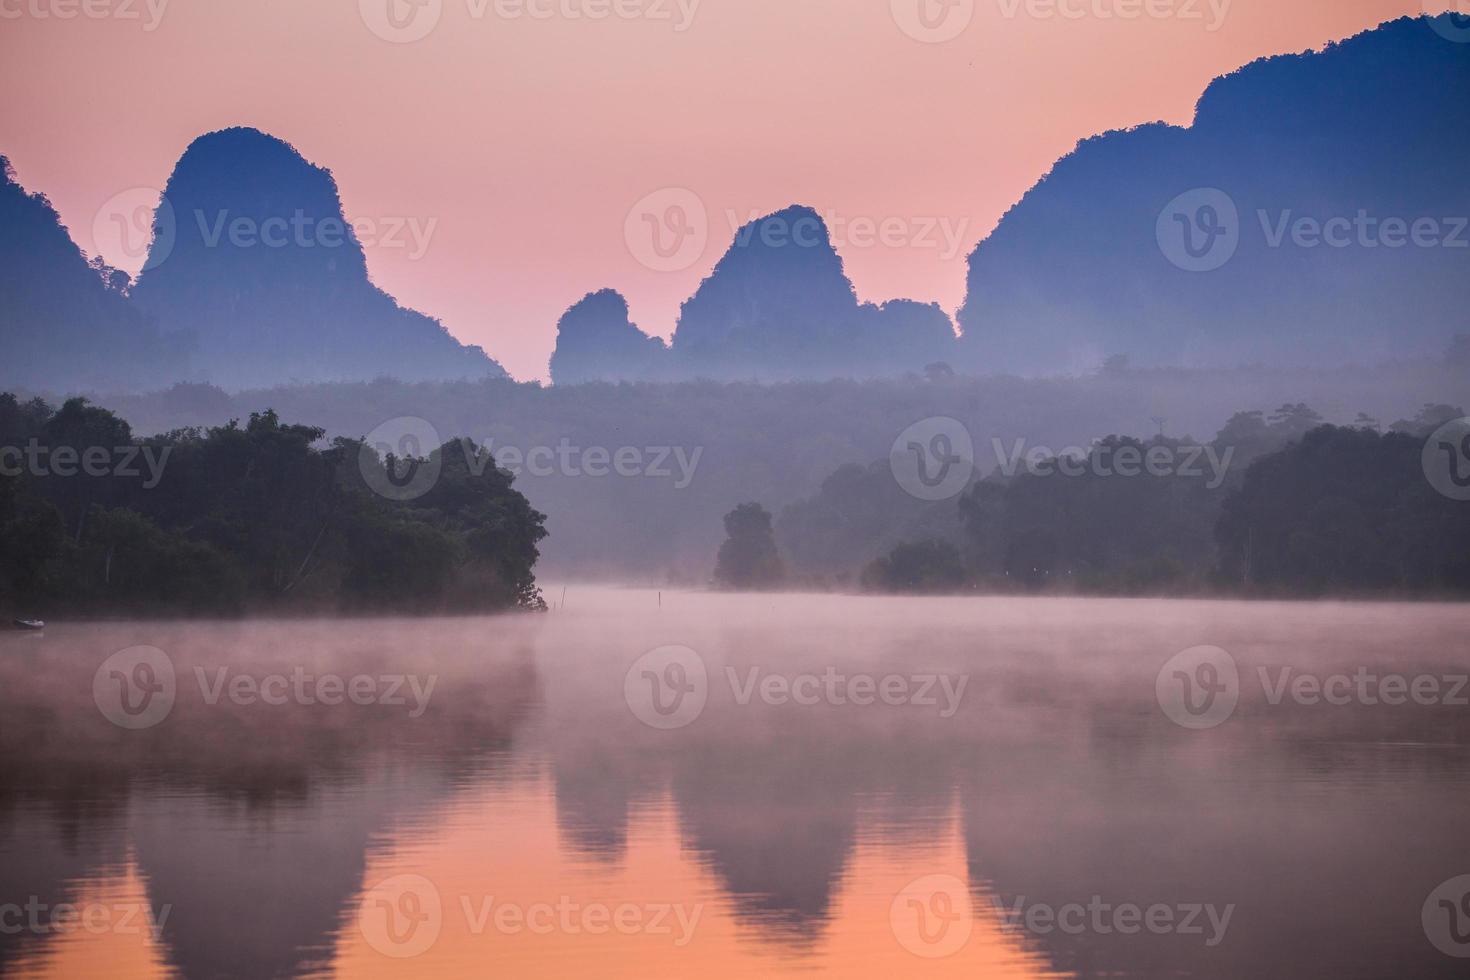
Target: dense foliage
(748, 558)
(778, 443)
(1280, 505)
(918, 566)
(1345, 510)
(240, 517)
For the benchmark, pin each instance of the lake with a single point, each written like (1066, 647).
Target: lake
(655, 784)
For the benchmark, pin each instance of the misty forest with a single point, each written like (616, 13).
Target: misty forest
(916, 488)
(779, 389)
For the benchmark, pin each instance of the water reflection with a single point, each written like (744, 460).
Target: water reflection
(539, 808)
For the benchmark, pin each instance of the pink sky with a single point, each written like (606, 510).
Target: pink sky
(518, 145)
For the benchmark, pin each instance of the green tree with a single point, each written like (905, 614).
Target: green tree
(1344, 510)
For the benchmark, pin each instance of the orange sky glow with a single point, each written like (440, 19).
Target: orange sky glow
(517, 136)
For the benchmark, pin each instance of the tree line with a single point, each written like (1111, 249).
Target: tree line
(1304, 508)
(243, 517)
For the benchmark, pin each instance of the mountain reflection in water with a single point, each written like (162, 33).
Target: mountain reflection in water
(526, 821)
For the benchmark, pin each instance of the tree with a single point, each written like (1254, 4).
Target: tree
(1430, 417)
(858, 513)
(748, 559)
(76, 428)
(1295, 421)
(1103, 522)
(233, 517)
(919, 567)
(1344, 510)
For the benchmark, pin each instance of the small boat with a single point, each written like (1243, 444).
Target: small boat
(28, 624)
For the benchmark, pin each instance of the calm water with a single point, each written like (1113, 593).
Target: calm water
(789, 785)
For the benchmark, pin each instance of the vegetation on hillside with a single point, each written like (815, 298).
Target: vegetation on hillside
(237, 518)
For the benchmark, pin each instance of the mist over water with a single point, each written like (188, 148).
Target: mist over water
(639, 537)
(644, 783)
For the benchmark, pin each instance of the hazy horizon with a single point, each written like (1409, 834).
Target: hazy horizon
(515, 220)
(1001, 506)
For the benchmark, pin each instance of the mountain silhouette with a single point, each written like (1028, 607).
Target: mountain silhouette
(595, 340)
(1365, 139)
(1313, 214)
(257, 259)
(778, 306)
(777, 299)
(65, 324)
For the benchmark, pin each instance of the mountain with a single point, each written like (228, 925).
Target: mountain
(595, 340)
(1363, 143)
(65, 324)
(255, 257)
(779, 306)
(778, 299)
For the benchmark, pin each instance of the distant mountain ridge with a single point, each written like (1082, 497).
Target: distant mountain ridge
(1092, 261)
(253, 277)
(777, 307)
(596, 341)
(266, 270)
(65, 324)
(1316, 212)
